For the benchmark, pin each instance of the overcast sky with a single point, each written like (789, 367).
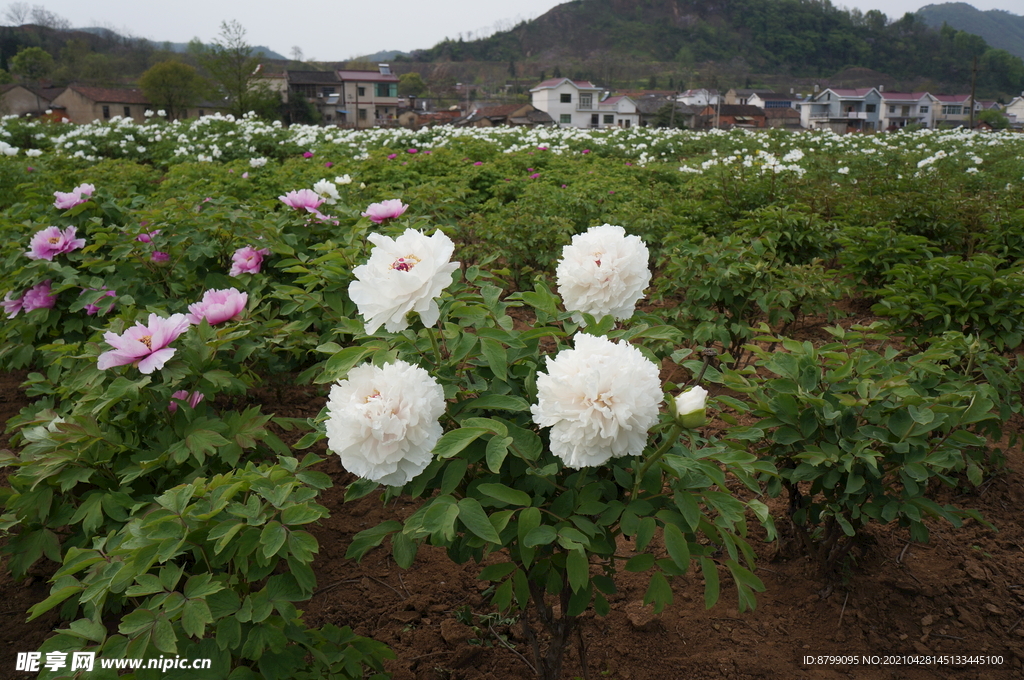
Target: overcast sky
(342, 30)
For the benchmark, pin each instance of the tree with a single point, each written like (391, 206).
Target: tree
(997, 119)
(17, 13)
(411, 84)
(32, 63)
(664, 117)
(235, 70)
(172, 86)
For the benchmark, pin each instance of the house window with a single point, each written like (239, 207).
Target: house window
(952, 110)
(566, 98)
(106, 112)
(924, 109)
(586, 101)
(870, 108)
(387, 90)
(565, 119)
(362, 114)
(892, 108)
(202, 112)
(127, 112)
(362, 91)
(609, 118)
(326, 91)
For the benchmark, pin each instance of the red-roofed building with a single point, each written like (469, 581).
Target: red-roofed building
(19, 100)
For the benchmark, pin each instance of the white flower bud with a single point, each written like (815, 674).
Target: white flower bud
(690, 407)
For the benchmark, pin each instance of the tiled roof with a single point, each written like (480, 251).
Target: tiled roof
(851, 92)
(555, 82)
(498, 111)
(782, 112)
(954, 98)
(311, 77)
(366, 77)
(904, 96)
(102, 94)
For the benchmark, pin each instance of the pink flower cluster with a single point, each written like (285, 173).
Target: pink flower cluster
(247, 260)
(67, 201)
(36, 297)
(385, 210)
(143, 345)
(218, 306)
(47, 243)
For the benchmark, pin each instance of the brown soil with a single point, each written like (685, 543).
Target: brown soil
(960, 594)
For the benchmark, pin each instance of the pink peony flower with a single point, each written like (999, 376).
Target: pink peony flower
(535, 175)
(183, 395)
(52, 241)
(144, 346)
(478, 163)
(38, 297)
(385, 210)
(12, 306)
(392, 156)
(585, 151)
(79, 194)
(307, 154)
(159, 256)
(413, 150)
(303, 199)
(93, 308)
(245, 175)
(147, 237)
(218, 306)
(247, 260)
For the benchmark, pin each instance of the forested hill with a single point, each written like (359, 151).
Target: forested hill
(801, 38)
(999, 28)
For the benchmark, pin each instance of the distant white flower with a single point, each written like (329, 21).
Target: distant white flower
(843, 171)
(327, 191)
(603, 272)
(971, 170)
(257, 162)
(161, 113)
(344, 179)
(599, 400)
(33, 153)
(403, 275)
(383, 421)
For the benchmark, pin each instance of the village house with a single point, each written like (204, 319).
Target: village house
(81, 104)
(322, 89)
(782, 118)
(367, 98)
(900, 109)
(506, 114)
(743, 95)
(732, 115)
(20, 100)
(842, 110)
(773, 100)
(700, 97)
(578, 103)
(1015, 110)
(954, 110)
(414, 119)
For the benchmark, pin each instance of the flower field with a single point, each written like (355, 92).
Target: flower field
(460, 403)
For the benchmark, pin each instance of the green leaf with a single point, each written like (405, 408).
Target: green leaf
(370, 538)
(497, 450)
(505, 494)
(472, 514)
(496, 572)
(272, 538)
(497, 357)
(641, 562)
(578, 569)
(659, 592)
(53, 600)
(677, 546)
(452, 442)
(496, 402)
(542, 535)
(711, 589)
(338, 366)
(194, 617)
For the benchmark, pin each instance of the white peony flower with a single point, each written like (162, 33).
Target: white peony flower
(383, 421)
(599, 400)
(690, 406)
(344, 179)
(603, 272)
(327, 191)
(403, 275)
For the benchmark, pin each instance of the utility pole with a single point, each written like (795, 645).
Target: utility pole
(974, 81)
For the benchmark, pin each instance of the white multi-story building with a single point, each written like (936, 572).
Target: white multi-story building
(578, 103)
(900, 109)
